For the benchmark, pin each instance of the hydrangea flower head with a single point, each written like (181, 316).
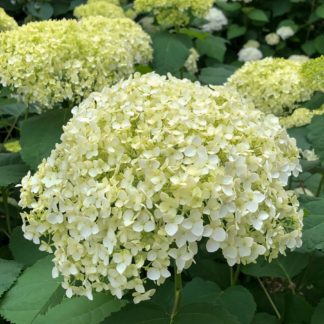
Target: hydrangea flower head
(173, 12)
(274, 85)
(80, 57)
(149, 167)
(99, 8)
(6, 22)
(216, 20)
(313, 72)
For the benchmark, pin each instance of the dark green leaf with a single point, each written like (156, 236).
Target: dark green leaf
(39, 135)
(80, 310)
(318, 315)
(213, 47)
(319, 44)
(290, 265)
(316, 135)
(24, 251)
(320, 11)
(239, 302)
(170, 52)
(234, 31)
(204, 313)
(40, 10)
(258, 15)
(200, 291)
(216, 76)
(316, 101)
(12, 174)
(9, 271)
(264, 318)
(31, 292)
(309, 47)
(297, 310)
(143, 313)
(11, 107)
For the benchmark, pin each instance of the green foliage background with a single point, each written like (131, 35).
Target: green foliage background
(288, 290)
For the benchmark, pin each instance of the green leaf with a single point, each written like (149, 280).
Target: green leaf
(143, 313)
(309, 47)
(216, 76)
(258, 15)
(11, 107)
(318, 314)
(12, 169)
(30, 294)
(239, 302)
(200, 291)
(170, 52)
(193, 33)
(80, 310)
(320, 11)
(282, 267)
(313, 238)
(39, 135)
(234, 31)
(280, 7)
(316, 101)
(9, 271)
(212, 46)
(24, 251)
(300, 134)
(316, 135)
(229, 7)
(297, 309)
(200, 313)
(264, 318)
(319, 44)
(12, 174)
(40, 10)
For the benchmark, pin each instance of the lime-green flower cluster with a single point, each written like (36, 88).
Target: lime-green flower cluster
(274, 85)
(6, 22)
(99, 8)
(47, 63)
(173, 12)
(115, 2)
(313, 72)
(300, 117)
(149, 167)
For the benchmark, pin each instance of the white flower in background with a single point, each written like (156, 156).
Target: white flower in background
(251, 43)
(298, 58)
(285, 32)
(303, 191)
(309, 155)
(216, 20)
(249, 54)
(272, 39)
(148, 24)
(191, 63)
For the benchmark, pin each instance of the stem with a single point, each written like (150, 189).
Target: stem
(319, 189)
(236, 274)
(292, 285)
(177, 294)
(270, 299)
(6, 209)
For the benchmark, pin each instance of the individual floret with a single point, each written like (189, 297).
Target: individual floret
(148, 168)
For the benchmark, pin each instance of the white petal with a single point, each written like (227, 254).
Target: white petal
(153, 274)
(171, 228)
(219, 234)
(212, 246)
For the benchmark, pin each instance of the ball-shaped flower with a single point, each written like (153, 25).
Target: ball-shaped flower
(170, 13)
(149, 167)
(285, 32)
(115, 2)
(216, 20)
(6, 22)
(273, 85)
(79, 56)
(99, 8)
(313, 72)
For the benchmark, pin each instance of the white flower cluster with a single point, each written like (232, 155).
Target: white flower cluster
(149, 167)
(191, 62)
(285, 32)
(216, 20)
(250, 52)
